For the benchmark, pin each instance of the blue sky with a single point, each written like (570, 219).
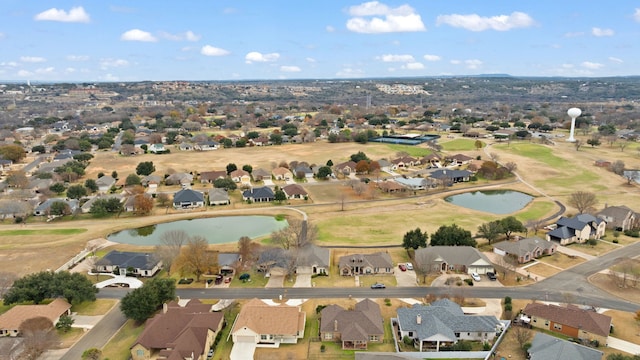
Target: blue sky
(83, 40)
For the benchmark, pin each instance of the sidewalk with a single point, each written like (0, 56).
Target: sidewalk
(572, 252)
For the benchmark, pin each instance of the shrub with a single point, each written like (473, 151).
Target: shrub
(486, 346)
(507, 300)
(615, 241)
(507, 307)
(407, 340)
(632, 232)
(469, 282)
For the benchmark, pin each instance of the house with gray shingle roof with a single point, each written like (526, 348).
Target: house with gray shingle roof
(547, 347)
(312, 259)
(578, 229)
(105, 183)
(465, 259)
(44, 208)
(188, 199)
(619, 217)
(259, 194)
(366, 264)
(525, 250)
(353, 328)
(218, 196)
(443, 323)
(140, 264)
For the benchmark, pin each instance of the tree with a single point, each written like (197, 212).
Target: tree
(59, 208)
(247, 168)
(92, 354)
(617, 167)
(510, 225)
(6, 280)
(362, 167)
(452, 235)
(490, 231)
(578, 144)
(114, 174)
(413, 239)
(141, 303)
(170, 246)
(231, 167)
(142, 204)
(74, 287)
(511, 166)
(14, 153)
(91, 185)
(594, 141)
(279, 196)
(145, 168)
(582, 200)
(522, 334)
(297, 234)
(244, 248)
(225, 183)
(324, 172)
(17, 179)
(38, 336)
(163, 199)
(101, 207)
(64, 323)
(478, 144)
(195, 257)
(76, 191)
(359, 156)
(132, 179)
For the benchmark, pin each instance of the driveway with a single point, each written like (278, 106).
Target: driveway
(275, 281)
(303, 280)
(268, 182)
(622, 345)
(405, 278)
(242, 351)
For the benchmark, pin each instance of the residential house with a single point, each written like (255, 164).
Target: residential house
(312, 259)
(450, 176)
(415, 184)
(206, 146)
(547, 347)
(181, 178)
(105, 183)
(188, 199)
(151, 182)
(228, 262)
(185, 146)
(303, 172)
(433, 159)
(464, 259)
(390, 186)
(281, 173)
(265, 325)
(295, 191)
(208, 177)
(179, 332)
(345, 168)
(136, 263)
(459, 159)
(5, 165)
(405, 162)
(619, 218)
(259, 194)
(37, 186)
(276, 261)
(603, 163)
(130, 200)
(157, 149)
(86, 207)
(525, 250)
(443, 323)
(366, 264)
(262, 140)
(44, 207)
(241, 176)
(218, 196)
(570, 321)
(353, 328)
(260, 174)
(386, 165)
(577, 229)
(142, 141)
(12, 320)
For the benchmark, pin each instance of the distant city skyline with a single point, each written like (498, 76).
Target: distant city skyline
(96, 41)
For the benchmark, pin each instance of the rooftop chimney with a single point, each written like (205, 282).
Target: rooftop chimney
(419, 319)
(335, 325)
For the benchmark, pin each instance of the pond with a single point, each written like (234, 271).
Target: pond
(217, 230)
(493, 201)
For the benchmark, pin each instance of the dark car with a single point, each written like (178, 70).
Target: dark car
(492, 276)
(378, 286)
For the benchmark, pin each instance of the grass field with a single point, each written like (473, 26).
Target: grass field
(24, 232)
(460, 145)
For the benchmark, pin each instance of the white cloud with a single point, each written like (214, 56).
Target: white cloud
(596, 31)
(108, 77)
(310, 59)
(32, 59)
(290, 69)
(185, 36)
(473, 63)
(191, 36)
(350, 73)
(255, 56)
(567, 66)
(10, 64)
(400, 19)
(70, 70)
(456, 62)
(209, 50)
(413, 66)
(111, 63)
(574, 34)
(47, 70)
(2, 35)
(25, 73)
(432, 57)
(475, 22)
(636, 15)
(396, 58)
(615, 59)
(138, 35)
(591, 65)
(330, 28)
(76, 14)
(77, 57)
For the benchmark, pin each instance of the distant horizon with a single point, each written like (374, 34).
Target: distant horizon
(58, 41)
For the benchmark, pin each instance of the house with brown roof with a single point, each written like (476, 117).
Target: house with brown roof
(366, 264)
(265, 325)
(459, 159)
(345, 168)
(260, 174)
(525, 250)
(241, 176)
(208, 177)
(353, 328)
(295, 191)
(12, 320)
(405, 162)
(390, 186)
(619, 218)
(179, 332)
(464, 259)
(281, 173)
(571, 321)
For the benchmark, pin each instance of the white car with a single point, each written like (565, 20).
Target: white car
(409, 266)
(475, 276)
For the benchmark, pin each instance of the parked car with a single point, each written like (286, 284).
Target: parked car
(378, 286)
(409, 266)
(475, 276)
(492, 276)
(402, 267)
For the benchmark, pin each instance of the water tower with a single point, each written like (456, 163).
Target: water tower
(573, 113)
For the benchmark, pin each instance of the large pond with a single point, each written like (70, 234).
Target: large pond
(217, 230)
(493, 201)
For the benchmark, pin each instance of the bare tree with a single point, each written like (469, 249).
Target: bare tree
(495, 157)
(195, 257)
(578, 144)
(623, 144)
(38, 335)
(297, 234)
(244, 248)
(171, 243)
(6, 281)
(534, 225)
(163, 199)
(522, 335)
(511, 166)
(508, 263)
(617, 167)
(582, 200)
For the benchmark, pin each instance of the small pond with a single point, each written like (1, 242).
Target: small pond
(217, 230)
(493, 201)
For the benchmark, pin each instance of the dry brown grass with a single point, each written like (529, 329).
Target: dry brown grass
(561, 260)
(604, 282)
(625, 327)
(541, 269)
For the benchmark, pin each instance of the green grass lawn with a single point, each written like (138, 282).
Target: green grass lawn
(118, 347)
(460, 145)
(536, 210)
(92, 308)
(411, 150)
(23, 232)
